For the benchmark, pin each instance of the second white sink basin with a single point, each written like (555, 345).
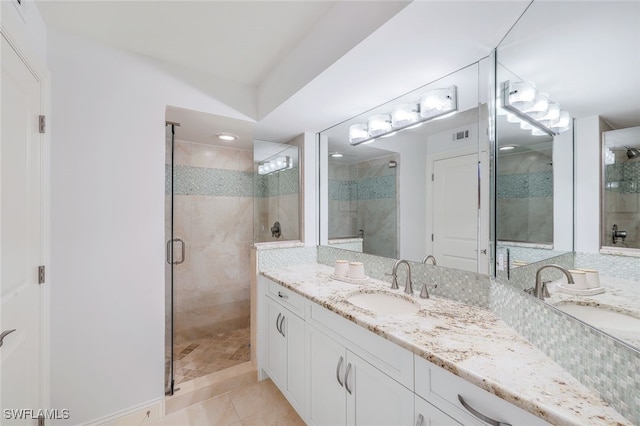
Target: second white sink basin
(384, 303)
(602, 318)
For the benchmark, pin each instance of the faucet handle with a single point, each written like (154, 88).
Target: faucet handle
(529, 290)
(394, 281)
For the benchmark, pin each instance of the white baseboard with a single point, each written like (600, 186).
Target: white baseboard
(142, 414)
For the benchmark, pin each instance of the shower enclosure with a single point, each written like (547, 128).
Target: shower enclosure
(621, 189)
(209, 192)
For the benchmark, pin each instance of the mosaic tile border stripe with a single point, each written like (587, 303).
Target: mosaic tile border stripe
(285, 182)
(189, 180)
(526, 185)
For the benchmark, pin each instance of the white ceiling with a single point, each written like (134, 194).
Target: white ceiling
(312, 64)
(239, 41)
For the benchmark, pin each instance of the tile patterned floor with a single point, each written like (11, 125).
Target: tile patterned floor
(200, 357)
(258, 403)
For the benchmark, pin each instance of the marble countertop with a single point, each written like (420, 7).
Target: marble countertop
(468, 341)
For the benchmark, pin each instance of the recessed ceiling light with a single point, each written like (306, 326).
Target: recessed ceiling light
(507, 147)
(227, 136)
(337, 154)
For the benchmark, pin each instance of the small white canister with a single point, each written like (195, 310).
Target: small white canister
(593, 277)
(356, 270)
(341, 268)
(579, 278)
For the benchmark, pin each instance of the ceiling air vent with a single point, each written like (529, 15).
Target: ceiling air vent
(460, 135)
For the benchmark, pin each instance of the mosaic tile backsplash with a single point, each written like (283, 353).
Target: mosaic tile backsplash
(596, 359)
(613, 266)
(467, 287)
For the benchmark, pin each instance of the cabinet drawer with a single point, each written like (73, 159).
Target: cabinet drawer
(442, 389)
(291, 300)
(386, 356)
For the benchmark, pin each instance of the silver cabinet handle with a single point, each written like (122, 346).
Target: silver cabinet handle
(281, 328)
(479, 415)
(420, 421)
(4, 334)
(282, 295)
(340, 361)
(170, 251)
(278, 323)
(346, 378)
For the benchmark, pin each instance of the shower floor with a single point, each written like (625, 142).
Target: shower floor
(197, 358)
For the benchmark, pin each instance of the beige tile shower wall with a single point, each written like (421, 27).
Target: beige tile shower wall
(211, 288)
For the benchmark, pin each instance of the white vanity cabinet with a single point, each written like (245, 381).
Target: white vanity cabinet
(335, 372)
(451, 393)
(284, 359)
(428, 415)
(344, 389)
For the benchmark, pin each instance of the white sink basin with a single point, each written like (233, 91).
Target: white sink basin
(602, 317)
(384, 303)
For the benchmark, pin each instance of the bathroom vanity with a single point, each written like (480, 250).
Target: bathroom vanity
(445, 363)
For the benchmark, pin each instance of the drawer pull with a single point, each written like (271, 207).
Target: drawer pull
(282, 295)
(281, 328)
(340, 361)
(479, 415)
(346, 378)
(420, 421)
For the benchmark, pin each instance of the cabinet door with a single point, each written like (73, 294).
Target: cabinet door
(277, 345)
(293, 328)
(428, 415)
(373, 398)
(327, 363)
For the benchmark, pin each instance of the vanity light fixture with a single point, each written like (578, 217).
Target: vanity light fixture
(434, 104)
(229, 137)
(275, 165)
(534, 110)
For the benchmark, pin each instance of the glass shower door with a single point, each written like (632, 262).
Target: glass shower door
(168, 230)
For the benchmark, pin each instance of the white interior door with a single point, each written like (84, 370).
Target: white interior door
(21, 232)
(455, 212)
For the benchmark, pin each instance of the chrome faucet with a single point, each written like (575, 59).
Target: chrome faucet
(433, 259)
(408, 288)
(540, 290)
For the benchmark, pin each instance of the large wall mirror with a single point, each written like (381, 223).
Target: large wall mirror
(409, 178)
(585, 56)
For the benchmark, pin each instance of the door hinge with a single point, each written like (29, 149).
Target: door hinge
(42, 124)
(432, 177)
(431, 237)
(41, 274)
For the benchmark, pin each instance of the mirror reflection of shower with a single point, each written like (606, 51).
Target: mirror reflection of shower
(620, 225)
(277, 190)
(363, 201)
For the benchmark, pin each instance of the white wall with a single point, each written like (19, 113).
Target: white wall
(108, 142)
(587, 184)
(26, 27)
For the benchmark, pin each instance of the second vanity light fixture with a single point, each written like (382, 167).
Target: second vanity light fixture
(532, 109)
(275, 165)
(434, 104)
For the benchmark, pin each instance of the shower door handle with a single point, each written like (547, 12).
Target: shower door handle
(170, 251)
